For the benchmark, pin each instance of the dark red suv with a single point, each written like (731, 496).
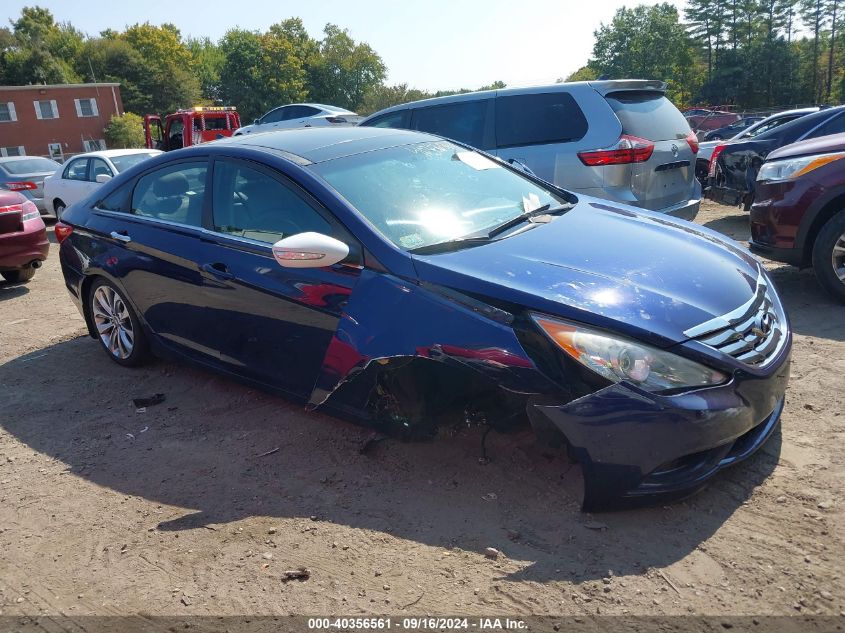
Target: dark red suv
(798, 215)
(23, 237)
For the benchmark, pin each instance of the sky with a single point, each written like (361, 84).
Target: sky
(431, 45)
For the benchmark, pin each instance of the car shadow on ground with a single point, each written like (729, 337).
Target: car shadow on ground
(216, 452)
(11, 291)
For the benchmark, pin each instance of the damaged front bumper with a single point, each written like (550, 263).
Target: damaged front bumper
(638, 447)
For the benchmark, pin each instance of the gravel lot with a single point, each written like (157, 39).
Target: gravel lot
(200, 504)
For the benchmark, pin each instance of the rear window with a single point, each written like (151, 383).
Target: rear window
(29, 166)
(534, 119)
(463, 121)
(648, 115)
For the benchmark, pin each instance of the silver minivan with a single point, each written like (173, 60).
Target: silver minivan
(619, 140)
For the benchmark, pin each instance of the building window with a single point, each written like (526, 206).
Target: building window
(94, 145)
(15, 150)
(46, 109)
(55, 151)
(86, 107)
(7, 112)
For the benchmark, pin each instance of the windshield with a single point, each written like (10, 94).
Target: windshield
(29, 166)
(122, 163)
(427, 193)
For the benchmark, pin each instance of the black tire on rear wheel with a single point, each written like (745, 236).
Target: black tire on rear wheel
(829, 256)
(116, 325)
(20, 276)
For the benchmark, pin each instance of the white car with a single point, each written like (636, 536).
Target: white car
(301, 115)
(83, 173)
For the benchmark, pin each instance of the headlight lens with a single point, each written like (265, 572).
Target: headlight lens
(619, 359)
(795, 167)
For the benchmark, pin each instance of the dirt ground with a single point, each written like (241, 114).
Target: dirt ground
(200, 504)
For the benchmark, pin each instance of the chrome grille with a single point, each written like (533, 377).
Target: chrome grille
(753, 333)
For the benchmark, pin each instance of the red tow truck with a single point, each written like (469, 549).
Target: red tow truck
(190, 126)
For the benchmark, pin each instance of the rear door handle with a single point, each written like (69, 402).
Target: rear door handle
(121, 237)
(218, 269)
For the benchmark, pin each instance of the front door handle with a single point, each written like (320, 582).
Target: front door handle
(121, 237)
(218, 269)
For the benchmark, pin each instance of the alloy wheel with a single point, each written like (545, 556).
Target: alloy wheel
(838, 258)
(111, 318)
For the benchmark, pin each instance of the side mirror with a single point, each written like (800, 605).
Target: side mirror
(309, 250)
(256, 122)
(101, 178)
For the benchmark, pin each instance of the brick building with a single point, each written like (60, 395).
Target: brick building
(56, 120)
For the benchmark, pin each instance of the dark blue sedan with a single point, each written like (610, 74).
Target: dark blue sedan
(410, 282)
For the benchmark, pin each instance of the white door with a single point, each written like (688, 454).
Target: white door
(74, 184)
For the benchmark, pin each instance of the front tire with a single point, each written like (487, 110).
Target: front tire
(20, 276)
(829, 256)
(116, 325)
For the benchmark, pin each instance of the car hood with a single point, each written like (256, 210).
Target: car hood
(639, 273)
(246, 129)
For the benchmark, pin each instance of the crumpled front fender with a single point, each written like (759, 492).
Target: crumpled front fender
(390, 318)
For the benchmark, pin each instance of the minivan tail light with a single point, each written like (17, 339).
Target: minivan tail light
(711, 168)
(629, 149)
(20, 185)
(692, 139)
(62, 231)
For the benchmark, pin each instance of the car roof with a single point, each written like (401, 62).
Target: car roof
(110, 153)
(318, 144)
(604, 88)
(808, 119)
(822, 144)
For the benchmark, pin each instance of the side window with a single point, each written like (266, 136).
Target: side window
(98, 167)
(835, 125)
(77, 170)
(533, 119)
(274, 116)
(174, 193)
(300, 112)
(463, 121)
(252, 203)
(391, 119)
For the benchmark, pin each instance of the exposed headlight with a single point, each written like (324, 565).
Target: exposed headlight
(619, 359)
(795, 167)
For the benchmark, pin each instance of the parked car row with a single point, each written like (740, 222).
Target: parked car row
(618, 140)
(792, 179)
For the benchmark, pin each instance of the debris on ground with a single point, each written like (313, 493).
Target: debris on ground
(300, 573)
(143, 403)
(492, 552)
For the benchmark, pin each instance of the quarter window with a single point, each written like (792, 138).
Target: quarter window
(77, 170)
(174, 193)
(253, 204)
(463, 121)
(534, 119)
(392, 120)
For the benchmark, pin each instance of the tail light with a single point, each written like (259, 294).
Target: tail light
(20, 185)
(629, 149)
(62, 231)
(30, 211)
(692, 139)
(336, 119)
(711, 169)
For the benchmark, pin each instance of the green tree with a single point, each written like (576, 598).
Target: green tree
(343, 70)
(647, 42)
(207, 62)
(124, 132)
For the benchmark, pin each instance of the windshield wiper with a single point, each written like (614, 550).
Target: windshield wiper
(485, 237)
(546, 209)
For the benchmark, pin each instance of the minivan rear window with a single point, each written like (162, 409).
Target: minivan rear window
(648, 115)
(534, 119)
(463, 121)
